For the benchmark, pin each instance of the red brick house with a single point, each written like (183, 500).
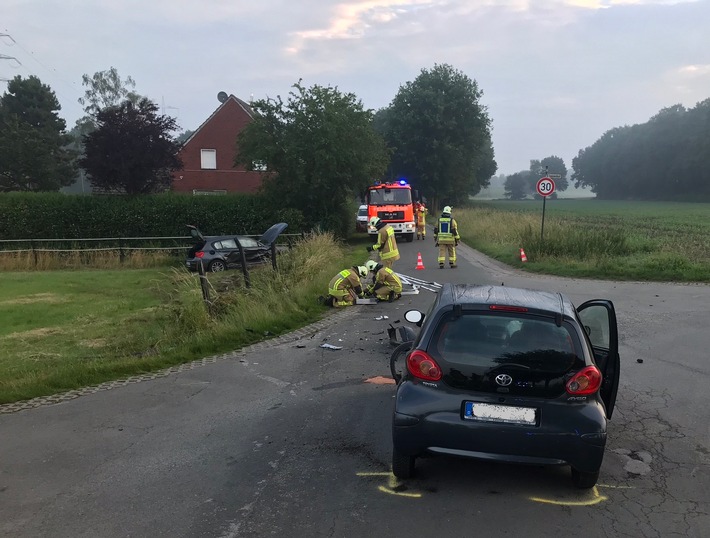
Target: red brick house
(208, 155)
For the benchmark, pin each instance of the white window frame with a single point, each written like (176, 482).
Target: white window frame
(208, 159)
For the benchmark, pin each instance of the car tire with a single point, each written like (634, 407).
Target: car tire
(584, 480)
(402, 466)
(409, 237)
(217, 266)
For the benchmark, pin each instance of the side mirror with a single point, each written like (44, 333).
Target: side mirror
(414, 316)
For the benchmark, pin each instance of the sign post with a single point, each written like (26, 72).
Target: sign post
(545, 187)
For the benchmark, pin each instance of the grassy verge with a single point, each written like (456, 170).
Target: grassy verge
(652, 241)
(61, 330)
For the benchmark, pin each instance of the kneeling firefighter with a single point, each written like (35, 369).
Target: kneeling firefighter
(386, 285)
(345, 287)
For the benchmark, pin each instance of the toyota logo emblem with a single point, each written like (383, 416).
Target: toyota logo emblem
(504, 380)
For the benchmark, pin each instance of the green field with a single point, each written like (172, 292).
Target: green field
(658, 241)
(61, 330)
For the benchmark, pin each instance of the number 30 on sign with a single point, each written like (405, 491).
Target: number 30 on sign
(545, 186)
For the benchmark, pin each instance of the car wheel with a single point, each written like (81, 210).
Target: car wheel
(409, 237)
(402, 466)
(217, 266)
(584, 480)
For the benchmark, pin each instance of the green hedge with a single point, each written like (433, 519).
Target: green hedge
(65, 216)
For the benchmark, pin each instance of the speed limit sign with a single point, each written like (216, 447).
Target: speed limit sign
(545, 186)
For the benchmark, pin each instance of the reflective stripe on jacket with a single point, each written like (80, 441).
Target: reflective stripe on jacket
(386, 243)
(388, 277)
(446, 232)
(344, 280)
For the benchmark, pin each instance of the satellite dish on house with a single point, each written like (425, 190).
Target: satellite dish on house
(222, 97)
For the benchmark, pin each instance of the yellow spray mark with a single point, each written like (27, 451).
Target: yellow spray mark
(393, 483)
(615, 487)
(596, 499)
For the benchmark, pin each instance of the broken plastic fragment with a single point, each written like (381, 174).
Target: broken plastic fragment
(330, 346)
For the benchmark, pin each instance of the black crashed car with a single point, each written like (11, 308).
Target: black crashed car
(221, 252)
(508, 375)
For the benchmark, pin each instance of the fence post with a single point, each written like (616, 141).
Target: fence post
(34, 252)
(204, 284)
(243, 257)
(121, 254)
(273, 255)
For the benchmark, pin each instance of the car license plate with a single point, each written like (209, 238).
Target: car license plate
(500, 413)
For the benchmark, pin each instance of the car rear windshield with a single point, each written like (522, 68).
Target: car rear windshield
(475, 347)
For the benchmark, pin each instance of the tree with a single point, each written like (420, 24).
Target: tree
(182, 137)
(440, 134)
(320, 151)
(131, 150)
(517, 185)
(105, 89)
(33, 142)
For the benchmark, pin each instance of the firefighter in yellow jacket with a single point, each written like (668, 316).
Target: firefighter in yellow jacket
(345, 287)
(420, 213)
(386, 243)
(386, 285)
(446, 235)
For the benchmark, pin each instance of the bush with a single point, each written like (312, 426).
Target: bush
(62, 216)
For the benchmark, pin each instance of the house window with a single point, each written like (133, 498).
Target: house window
(208, 159)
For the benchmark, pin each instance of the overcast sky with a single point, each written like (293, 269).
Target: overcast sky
(555, 74)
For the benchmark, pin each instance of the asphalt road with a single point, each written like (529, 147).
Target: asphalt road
(289, 439)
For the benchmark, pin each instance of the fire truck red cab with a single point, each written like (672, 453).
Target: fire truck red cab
(392, 203)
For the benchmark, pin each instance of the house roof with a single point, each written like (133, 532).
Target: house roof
(231, 97)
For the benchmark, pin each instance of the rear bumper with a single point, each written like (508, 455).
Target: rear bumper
(567, 434)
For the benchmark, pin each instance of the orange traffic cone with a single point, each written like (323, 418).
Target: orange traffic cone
(420, 264)
(523, 257)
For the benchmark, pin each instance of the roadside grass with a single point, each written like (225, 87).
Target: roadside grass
(41, 260)
(652, 241)
(61, 330)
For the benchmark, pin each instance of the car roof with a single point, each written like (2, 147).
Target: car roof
(474, 294)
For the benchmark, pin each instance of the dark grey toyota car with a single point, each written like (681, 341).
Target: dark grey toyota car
(509, 375)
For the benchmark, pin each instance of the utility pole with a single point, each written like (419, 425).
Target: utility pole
(6, 57)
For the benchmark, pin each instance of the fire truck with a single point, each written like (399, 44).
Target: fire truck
(392, 203)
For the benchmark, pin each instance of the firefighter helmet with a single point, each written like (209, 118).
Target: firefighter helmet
(371, 265)
(374, 221)
(447, 209)
(362, 270)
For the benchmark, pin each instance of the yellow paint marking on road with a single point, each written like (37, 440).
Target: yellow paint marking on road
(595, 500)
(400, 493)
(393, 484)
(615, 487)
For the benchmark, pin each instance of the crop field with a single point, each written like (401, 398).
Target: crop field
(658, 241)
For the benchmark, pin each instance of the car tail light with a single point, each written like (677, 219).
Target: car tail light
(199, 254)
(586, 381)
(422, 366)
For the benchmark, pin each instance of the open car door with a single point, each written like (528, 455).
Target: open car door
(272, 233)
(195, 232)
(599, 321)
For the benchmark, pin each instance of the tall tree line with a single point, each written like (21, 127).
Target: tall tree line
(666, 158)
